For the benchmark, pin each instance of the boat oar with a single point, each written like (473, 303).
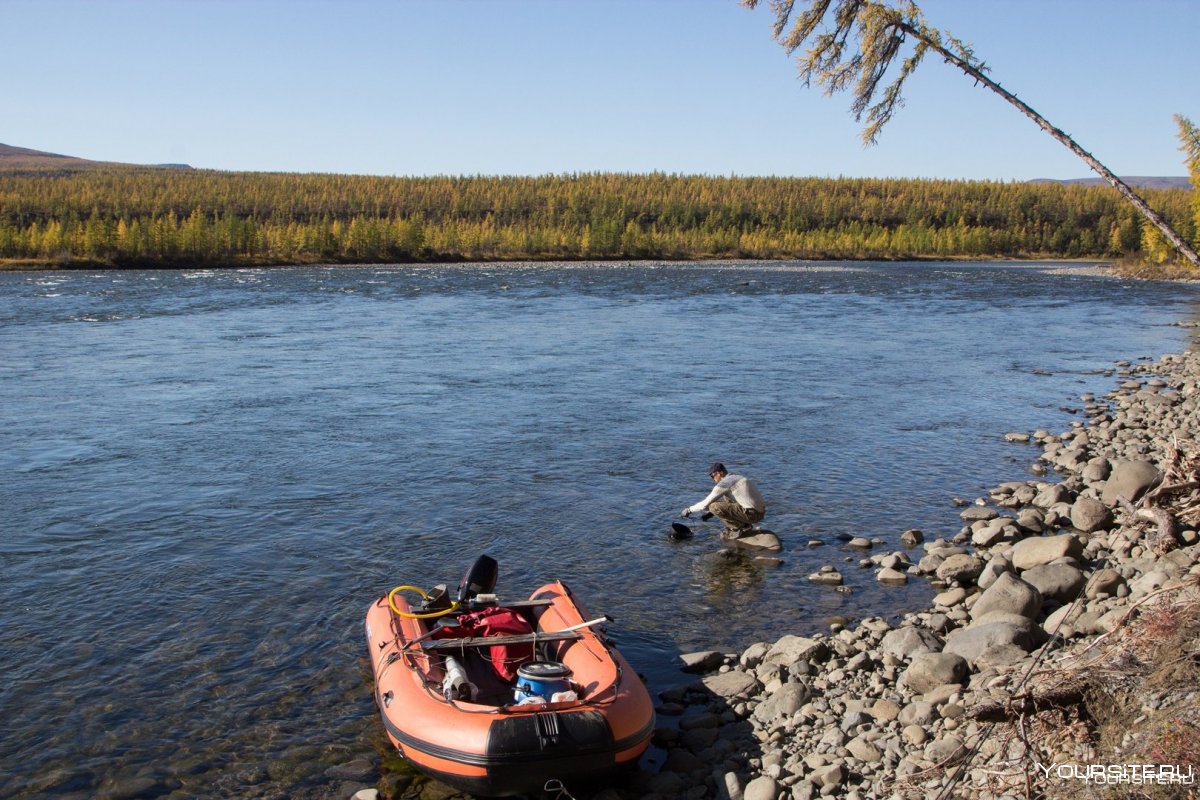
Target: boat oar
(588, 624)
(580, 626)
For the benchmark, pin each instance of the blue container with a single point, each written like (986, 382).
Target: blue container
(542, 679)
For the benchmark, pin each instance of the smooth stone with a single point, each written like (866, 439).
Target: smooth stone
(703, 661)
(1038, 550)
(1090, 515)
(960, 567)
(1009, 595)
(1129, 480)
(1060, 582)
(931, 670)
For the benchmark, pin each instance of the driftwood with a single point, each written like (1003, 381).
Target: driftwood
(1165, 537)
(1025, 704)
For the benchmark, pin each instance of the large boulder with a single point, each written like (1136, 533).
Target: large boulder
(931, 670)
(1105, 582)
(1090, 515)
(909, 641)
(978, 514)
(1060, 582)
(961, 567)
(731, 685)
(1039, 550)
(791, 649)
(703, 661)
(973, 642)
(759, 540)
(1129, 480)
(1051, 495)
(1008, 595)
(783, 702)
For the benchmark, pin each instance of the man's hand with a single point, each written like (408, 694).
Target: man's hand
(687, 512)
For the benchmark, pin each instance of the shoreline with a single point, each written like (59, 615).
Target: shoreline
(1056, 592)
(1082, 266)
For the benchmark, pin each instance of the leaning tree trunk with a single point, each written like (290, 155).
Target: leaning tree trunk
(1104, 172)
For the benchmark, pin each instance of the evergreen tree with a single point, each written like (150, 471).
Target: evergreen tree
(881, 28)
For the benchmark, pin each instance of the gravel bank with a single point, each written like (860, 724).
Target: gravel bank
(1039, 594)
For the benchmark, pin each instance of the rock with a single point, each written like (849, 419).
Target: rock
(667, 783)
(703, 720)
(732, 685)
(753, 655)
(360, 770)
(1060, 582)
(680, 760)
(1032, 520)
(1105, 582)
(972, 642)
(911, 538)
(366, 794)
(132, 788)
(908, 641)
(961, 567)
(1001, 655)
(991, 533)
(1089, 515)
(791, 649)
(1039, 550)
(1008, 595)
(863, 750)
(950, 597)
(885, 710)
(917, 712)
(1129, 480)
(703, 661)
(930, 670)
(996, 567)
(829, 578)
(1150, 582)
(945, 750)
(1051, 495)
(1096, 471)
(732, 785)
(894, 576)
(915, 735)
(783, 702)
(1063, 615)
(759, 540)
(978, 514)
(763, 787)
(833, 775)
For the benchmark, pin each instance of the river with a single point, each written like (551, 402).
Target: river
(207, 476)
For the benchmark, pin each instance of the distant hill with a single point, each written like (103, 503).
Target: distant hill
(1141, 181)
(21, 158)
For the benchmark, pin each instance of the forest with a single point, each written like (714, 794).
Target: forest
(159, 217)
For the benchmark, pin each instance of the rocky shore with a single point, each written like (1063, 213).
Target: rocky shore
(1065, 634)
(1060, 655)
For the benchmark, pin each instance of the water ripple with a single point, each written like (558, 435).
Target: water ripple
(208, 475)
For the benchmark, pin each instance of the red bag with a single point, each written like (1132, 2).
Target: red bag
(495, 621)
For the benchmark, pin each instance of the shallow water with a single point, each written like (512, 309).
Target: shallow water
(206, 477)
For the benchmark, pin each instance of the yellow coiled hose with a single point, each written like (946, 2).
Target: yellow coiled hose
(408, 614)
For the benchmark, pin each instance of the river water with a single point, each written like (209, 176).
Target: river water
(207, 476)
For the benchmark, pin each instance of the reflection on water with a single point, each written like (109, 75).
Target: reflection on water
(207, 476)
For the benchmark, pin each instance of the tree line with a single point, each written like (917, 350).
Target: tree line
(157, 217)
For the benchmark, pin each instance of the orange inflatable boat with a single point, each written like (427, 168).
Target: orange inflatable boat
(501, 698)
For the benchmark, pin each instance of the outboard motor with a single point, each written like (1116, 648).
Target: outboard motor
(480, 579)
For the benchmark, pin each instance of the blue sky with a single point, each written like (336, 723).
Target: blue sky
(421, 87)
